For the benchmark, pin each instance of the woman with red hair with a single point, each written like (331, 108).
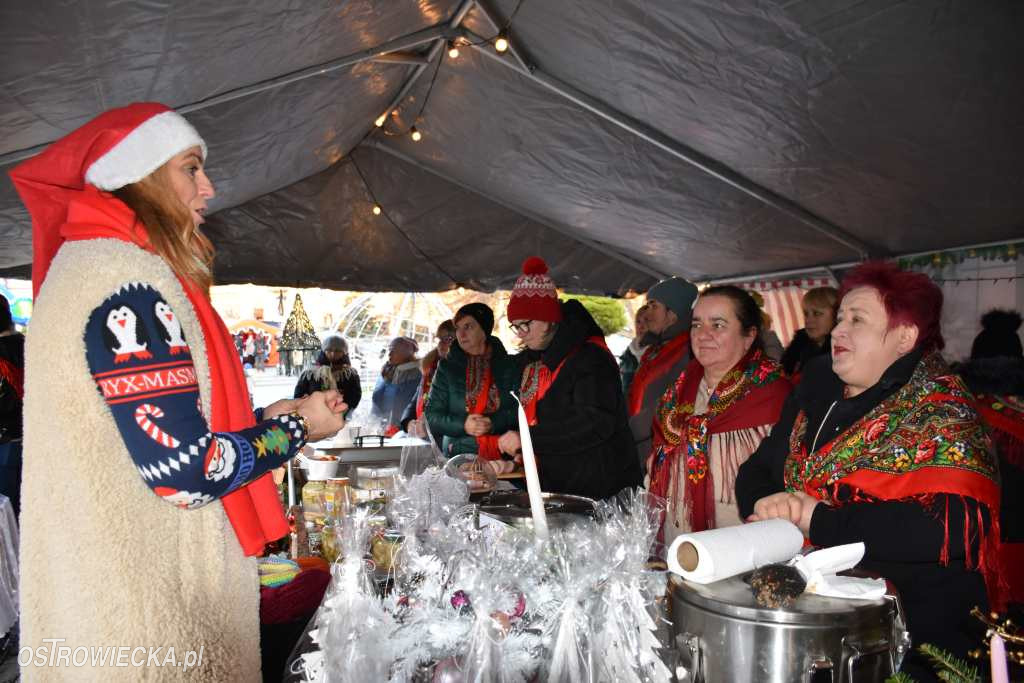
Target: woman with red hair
(880, 443)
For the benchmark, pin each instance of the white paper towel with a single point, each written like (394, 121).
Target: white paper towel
(820, 568)
(729, 551)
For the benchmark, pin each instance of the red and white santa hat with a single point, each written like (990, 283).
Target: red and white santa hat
(117, 148)
(534, 296)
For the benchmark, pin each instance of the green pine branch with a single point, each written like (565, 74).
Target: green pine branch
(950, 668)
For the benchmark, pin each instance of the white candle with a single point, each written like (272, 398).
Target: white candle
(540, 519)
(1000, 672)
(291, 486)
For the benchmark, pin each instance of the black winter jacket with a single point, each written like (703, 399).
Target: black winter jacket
(12, 350)
(582, 437)
(903, 540)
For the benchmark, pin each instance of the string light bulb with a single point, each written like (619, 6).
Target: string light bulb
(379, 121)
(376, 209)
(501, 42)
(415, 134)
(453, 49)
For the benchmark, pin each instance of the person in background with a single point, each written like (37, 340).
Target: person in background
(144, 460)
(629, 361)
(412, 418)
(470, 402)
(333, 370)
(771, 345)
(571, 393)
(668, 351)
(819, 308)
(12, 391)
(715, 415)
(995, 375)
(880, 444)
(398, 381)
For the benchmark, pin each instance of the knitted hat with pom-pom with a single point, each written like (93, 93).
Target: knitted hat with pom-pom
(534, 296)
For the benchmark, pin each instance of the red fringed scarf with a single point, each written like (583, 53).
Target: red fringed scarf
(538, 378)
(1005, 415)
(254, 509)
(656, 361)
(924, 440)
(750, 395)
(425, 382)
(482, 399)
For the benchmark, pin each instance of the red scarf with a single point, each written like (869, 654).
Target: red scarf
(254, 509)
(1005, 415)
(654, 363)
(750, 395)
(538, 378)
(14, 376)
(428, 379)
(924, 440)
(482, 399)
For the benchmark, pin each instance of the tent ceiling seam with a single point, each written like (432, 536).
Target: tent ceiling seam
(712, 167)
(592, 244)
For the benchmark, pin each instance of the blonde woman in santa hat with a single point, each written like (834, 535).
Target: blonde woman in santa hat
(571, 391)
(146, 482)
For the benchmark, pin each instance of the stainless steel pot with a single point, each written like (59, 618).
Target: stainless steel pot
(513, 508)
(722, 636)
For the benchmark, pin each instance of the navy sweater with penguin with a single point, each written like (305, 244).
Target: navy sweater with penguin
(143, 368)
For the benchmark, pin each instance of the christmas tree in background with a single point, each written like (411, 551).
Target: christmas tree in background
(298, 335)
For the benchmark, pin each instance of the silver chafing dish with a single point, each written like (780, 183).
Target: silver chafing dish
(722, 636)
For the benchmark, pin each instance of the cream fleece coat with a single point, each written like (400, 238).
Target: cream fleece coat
(105, 561)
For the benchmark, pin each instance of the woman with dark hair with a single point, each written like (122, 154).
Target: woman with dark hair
(881, 443)
(819, 309)
(469, 402)
(333, 371)
(715, 414)
(145, 461)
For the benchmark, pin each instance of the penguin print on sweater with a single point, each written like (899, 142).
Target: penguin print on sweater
(124, 335)
(143, 369)
(170, 328)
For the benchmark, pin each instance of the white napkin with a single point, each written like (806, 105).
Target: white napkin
(819, 569)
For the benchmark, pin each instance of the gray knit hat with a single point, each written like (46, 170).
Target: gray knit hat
(677, 294)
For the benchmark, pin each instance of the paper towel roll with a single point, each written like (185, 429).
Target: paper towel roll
(716, 554)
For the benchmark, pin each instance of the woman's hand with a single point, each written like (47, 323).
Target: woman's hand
(324, 412)
(509, 443)
(796, 507)
(477, 425)
(285, 405)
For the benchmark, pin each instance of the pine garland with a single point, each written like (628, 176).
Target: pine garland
(298, 333)
(949, 668)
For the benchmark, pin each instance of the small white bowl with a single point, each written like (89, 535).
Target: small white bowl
(319, 470)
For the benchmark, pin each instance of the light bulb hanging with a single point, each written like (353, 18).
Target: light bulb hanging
(453, 50)
(501, 42)
(415, 134)
(379, 121)
(376, 209)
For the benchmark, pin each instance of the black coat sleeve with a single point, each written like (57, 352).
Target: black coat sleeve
(304, 386)
(409, 414)
(899, 531)
(588, 418)
(762, 474)
(351, 390)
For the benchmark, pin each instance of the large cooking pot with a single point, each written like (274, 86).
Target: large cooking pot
(723, 636)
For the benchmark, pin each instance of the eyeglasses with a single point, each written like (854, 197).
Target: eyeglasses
(521, 327)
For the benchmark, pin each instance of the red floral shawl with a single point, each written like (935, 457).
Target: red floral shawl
(925, 439)
(482, 399)
(654, 363)
(750, 395)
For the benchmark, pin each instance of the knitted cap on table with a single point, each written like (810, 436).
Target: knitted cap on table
(534, 296)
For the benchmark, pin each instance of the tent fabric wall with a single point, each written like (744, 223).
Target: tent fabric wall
(894, 124)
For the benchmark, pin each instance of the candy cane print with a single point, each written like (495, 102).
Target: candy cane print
(142, 414)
